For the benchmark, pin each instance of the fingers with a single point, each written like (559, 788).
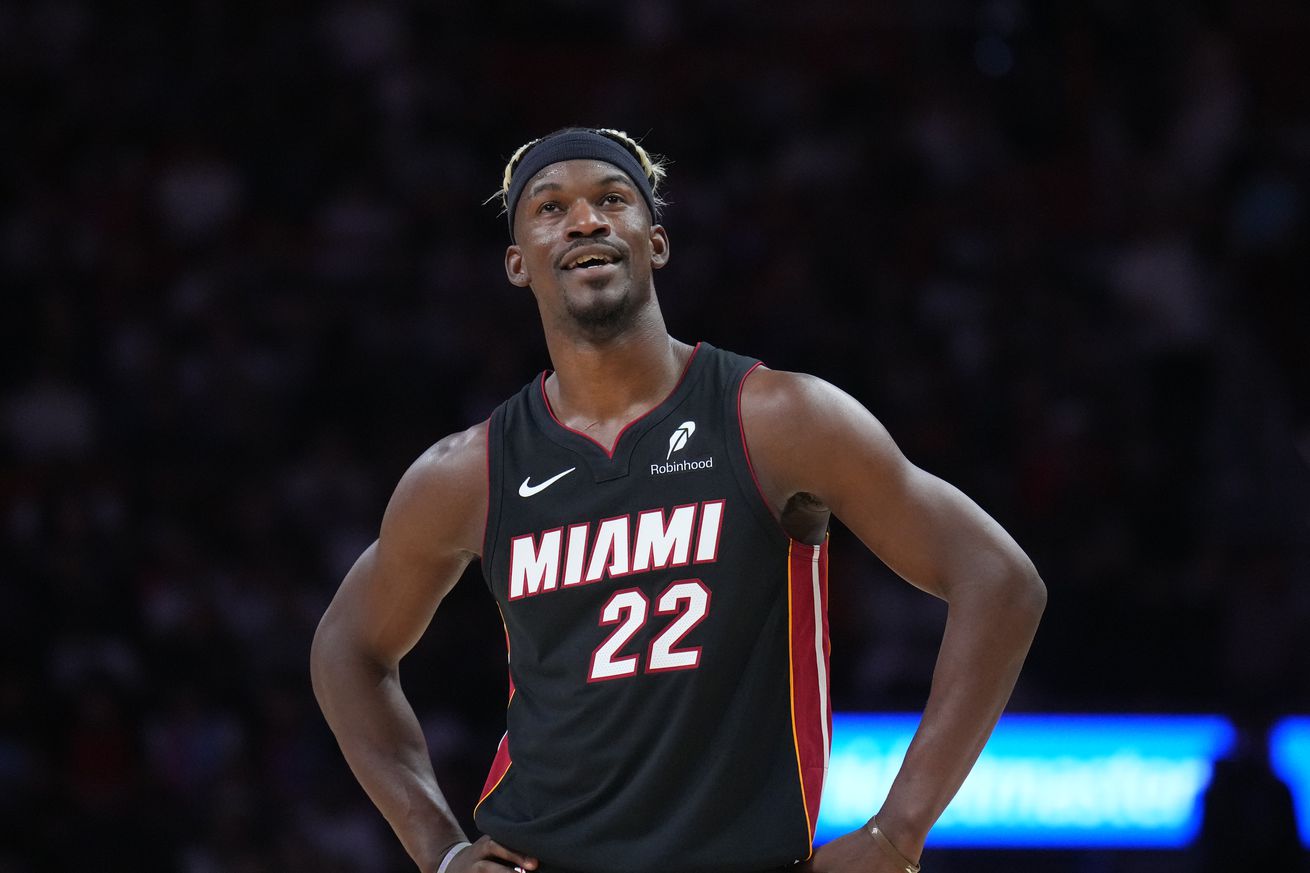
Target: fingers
(504, 853)
(487, 855)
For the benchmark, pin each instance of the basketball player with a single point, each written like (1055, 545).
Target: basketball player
(651, 517)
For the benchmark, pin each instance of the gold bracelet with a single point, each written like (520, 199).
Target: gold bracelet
(882, 840)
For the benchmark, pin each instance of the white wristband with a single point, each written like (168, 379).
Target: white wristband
(450, 855)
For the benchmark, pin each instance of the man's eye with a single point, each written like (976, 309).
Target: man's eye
(548, 206)
(611, 199)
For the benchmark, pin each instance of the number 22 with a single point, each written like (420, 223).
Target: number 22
(687, 599)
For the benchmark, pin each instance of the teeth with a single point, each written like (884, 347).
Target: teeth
(591, 259)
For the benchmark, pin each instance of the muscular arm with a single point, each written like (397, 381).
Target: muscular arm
(432, 528)
(933, 536)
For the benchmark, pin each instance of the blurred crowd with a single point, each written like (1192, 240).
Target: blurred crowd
(249, 275)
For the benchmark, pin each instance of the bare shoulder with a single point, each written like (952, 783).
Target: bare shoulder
(442, 498)
(774, 395)
(806, 436)
(457, 457)
(798, 400)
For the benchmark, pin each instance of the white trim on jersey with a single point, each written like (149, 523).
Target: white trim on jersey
(815, 578)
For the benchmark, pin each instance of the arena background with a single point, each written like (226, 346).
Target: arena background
(1060, 249)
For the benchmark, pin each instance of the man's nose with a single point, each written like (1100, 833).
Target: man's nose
(585, 220)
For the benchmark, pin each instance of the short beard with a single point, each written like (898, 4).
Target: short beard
(604, 320)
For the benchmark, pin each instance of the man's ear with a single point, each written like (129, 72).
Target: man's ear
(514, 269)
(659, 246)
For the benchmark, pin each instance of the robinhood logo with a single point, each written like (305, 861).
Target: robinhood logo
(677, 442)
(680, 437)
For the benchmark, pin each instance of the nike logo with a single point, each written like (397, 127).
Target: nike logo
(527, 490)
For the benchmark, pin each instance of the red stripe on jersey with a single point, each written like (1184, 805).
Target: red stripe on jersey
(501, 763)
(499, 767)
(750, 465)
(811, 707)
(486, 517)
(746, 449)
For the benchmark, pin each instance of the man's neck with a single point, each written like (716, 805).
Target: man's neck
(600, 386)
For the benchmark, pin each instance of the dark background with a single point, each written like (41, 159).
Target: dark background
(1060, 249)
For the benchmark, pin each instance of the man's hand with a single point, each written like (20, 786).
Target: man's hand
(856, 852)
(489, 856)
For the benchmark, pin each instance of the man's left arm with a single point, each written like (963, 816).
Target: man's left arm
(937, 539)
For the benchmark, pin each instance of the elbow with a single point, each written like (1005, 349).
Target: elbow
(339, 660)
(329, 656)
(1027, 592)
(1008, 588)
(319, 657)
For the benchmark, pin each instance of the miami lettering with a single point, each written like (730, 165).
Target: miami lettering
(659, 539)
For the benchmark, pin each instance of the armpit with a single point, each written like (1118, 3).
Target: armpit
(805, 518)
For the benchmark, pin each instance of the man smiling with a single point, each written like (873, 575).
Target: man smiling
(651, 517)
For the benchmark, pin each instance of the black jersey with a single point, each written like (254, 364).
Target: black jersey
(668, 642)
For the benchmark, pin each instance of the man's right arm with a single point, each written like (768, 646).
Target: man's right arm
(432, 528)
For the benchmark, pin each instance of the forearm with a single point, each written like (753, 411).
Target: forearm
(988, 632)
(383, 743)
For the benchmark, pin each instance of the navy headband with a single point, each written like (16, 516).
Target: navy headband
(572, 145)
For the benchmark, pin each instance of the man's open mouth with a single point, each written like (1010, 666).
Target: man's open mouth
(589, 260)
